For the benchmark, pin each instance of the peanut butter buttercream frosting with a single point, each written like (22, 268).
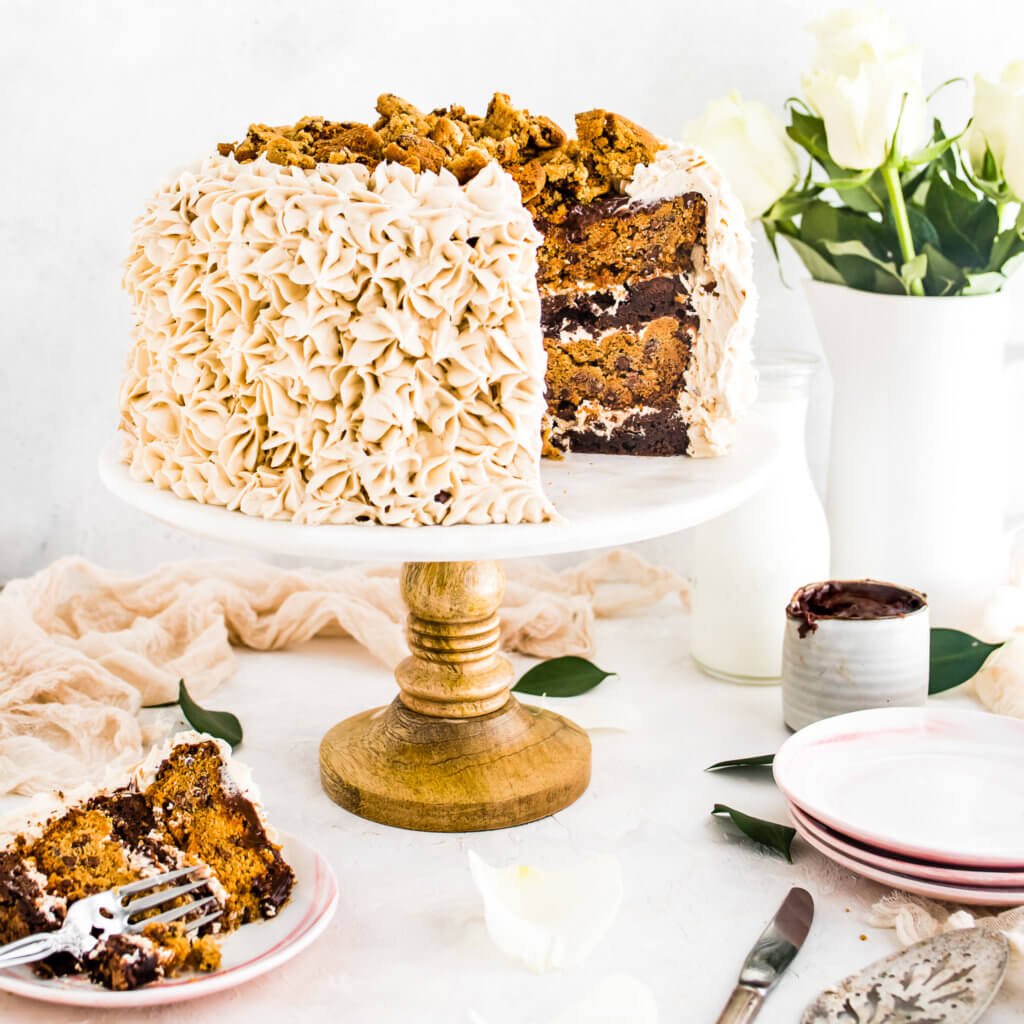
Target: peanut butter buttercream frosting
(338, 345)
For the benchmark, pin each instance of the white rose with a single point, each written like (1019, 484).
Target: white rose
(1000, 683)
(861, 73)
(750, 146)
(999, 123)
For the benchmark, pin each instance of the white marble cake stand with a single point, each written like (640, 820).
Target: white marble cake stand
(455, 751)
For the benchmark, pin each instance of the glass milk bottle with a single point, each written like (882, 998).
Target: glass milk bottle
(749, 562)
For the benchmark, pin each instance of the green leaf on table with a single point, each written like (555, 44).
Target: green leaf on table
(768, 833)
(568, 676)
(760, 761)
(955, 658)
(221, 724)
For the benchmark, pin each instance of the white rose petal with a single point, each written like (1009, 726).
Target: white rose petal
(960, 920)
(849, 36)
(1000, 683)
(997, 122)
(750, 146)
(549, 918)
(861, 78)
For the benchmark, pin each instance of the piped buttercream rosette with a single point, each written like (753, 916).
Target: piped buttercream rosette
(338, 346)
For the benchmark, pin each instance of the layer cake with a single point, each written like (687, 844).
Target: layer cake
(344, 322)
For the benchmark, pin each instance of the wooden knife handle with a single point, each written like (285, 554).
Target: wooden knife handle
(743, 1006)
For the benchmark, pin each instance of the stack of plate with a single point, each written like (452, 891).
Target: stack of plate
(926, 800)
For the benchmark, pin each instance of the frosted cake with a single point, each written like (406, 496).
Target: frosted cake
(343, 322)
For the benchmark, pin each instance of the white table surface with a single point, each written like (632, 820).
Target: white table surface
(408, 943)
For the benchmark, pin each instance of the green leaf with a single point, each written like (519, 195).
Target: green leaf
(568, 676)
(221, 724)
(818, 266)
(760, 761)
(767, 833)
(808, 132)
(985, 283)
(990, 180)
(792, 204)
(860, 192)
(1011, 265)
(944, 277)
(936, 150)
(823, 223)
(967, 223)
(914, 270)
(955, 657)
(1008, 246)
(862, 269)
(922, 230)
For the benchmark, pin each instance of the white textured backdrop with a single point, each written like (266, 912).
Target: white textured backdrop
(99, 101)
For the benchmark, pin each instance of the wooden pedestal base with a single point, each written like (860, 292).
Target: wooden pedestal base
(455, 774)
(455, 752)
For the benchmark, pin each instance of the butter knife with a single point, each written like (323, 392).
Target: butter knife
(773, 952)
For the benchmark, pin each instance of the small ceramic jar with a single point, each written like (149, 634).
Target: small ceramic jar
(850, 645)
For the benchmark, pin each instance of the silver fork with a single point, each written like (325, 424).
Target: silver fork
(94, 918)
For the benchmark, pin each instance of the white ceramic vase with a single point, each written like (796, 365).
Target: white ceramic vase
(920, 462)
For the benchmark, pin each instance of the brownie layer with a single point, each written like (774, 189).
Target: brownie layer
(22, 899)
(630, 305)
(645, 432)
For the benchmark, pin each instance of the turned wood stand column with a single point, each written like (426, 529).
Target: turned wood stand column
(455, 751)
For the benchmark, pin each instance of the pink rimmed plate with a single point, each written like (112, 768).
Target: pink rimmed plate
(249, 952)
(930, 783)
(944, 874)
(984, 897)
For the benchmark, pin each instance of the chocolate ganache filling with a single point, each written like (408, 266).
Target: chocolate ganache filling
(851, 599)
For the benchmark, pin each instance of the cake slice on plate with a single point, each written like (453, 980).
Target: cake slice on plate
(187, 804)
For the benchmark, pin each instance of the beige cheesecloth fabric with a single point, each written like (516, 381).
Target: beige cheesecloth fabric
(914, 918)
(83, 649)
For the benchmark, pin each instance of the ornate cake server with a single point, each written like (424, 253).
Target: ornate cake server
(949, 979)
